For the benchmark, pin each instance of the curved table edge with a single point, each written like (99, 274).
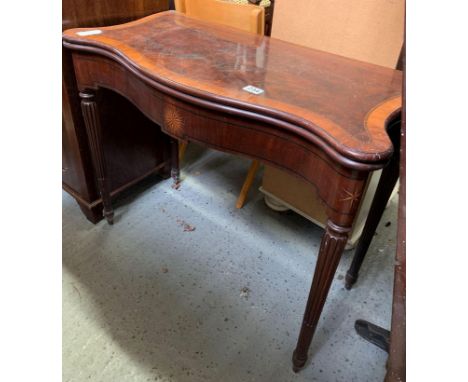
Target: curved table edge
(379, 116)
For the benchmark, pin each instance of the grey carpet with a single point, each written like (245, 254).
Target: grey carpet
(146, 300)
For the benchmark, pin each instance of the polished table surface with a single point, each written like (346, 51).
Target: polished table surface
(317, 115)
(330, 97)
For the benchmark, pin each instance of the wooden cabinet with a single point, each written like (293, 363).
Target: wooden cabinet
(136, 148)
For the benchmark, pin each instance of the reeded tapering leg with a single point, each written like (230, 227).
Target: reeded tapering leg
(383, 192)
(175, 171)
(90, 112)
(331, 248)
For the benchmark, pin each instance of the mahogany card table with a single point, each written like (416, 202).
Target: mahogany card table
(319, 116)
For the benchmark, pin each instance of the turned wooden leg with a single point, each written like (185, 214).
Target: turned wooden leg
(175, 171)
(247, 184)
(331, 248)
(383, 192)
(89, 109)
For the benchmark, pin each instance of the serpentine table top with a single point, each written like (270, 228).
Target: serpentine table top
(334, 98)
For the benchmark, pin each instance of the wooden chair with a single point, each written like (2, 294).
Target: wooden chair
(250, 18)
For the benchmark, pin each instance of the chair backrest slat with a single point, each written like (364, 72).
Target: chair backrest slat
(250, 18)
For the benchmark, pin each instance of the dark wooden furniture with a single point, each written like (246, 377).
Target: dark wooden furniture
(134, 149)
(320, 116)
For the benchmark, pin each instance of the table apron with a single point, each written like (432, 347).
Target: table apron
(340, 188)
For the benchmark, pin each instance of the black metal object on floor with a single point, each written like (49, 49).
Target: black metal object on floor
(374, 334)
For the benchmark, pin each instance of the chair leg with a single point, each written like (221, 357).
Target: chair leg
(247, 184)
(182, 147)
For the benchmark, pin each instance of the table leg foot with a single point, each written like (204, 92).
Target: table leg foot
(298, 363)
(109, 215)
(350, 280)
(175, 175)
